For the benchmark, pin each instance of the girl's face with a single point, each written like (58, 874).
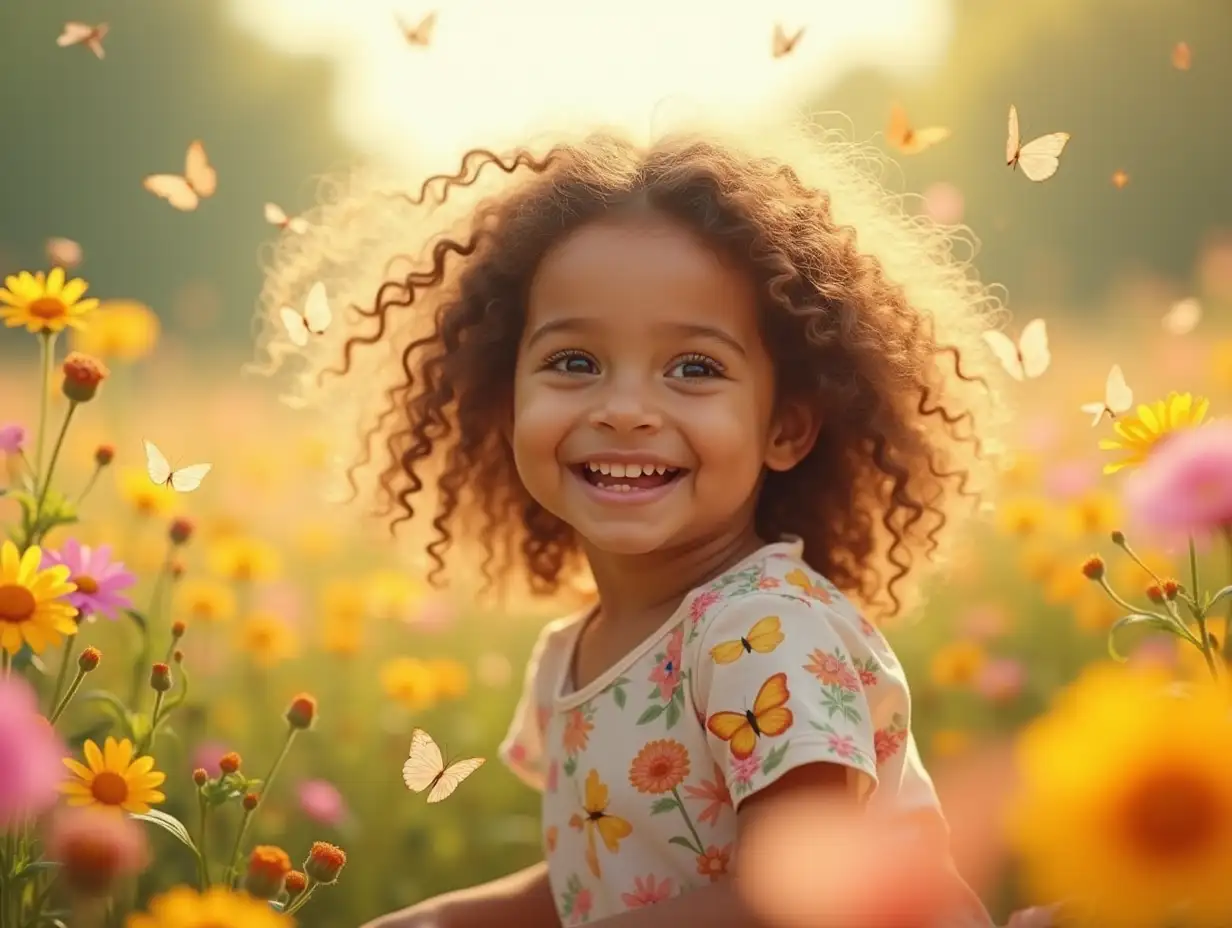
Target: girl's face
(644, 396)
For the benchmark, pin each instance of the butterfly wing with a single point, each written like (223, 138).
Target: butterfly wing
(592, 855)
(727, 652)
(613, 829)
(453, 776)
(1006, 352)
(1033, 348)
(74, 34)
(293, 322)
(423, 763)
(156, 463)
(766, 635)
(770, 706)
(1013, 140)
(200, 175)
(187, 479)
(923, 139)
(274, 214)
(1118, 397)
(316, 309)
(1040, 158)
(1183, 317)
(297, 224)
(174, 189)
(1096, 411)
(734, 728)
(899, 130)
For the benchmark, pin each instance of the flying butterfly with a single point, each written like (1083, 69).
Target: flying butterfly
(1039, 158)
(768, 718)
(275, 215)
(198, 182)
(783, 44)
(183, 480)
(1027, 359)
(1118, 398)
(314, 320)
(1182, 317)
(64, 252)
(909, 140)
(419, 34)
(84, 34)
(425, 768)
(765, 635)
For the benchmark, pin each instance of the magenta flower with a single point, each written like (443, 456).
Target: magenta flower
(1185, 487)
(1001, 679)
(30, 755)
(12, 438)
(321, 802)
(666, 674)
(99, 579)
(647, 891)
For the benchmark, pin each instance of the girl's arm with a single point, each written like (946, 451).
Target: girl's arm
(523, 899)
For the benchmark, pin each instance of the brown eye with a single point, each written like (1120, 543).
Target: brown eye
(692, 367)
(571, 362)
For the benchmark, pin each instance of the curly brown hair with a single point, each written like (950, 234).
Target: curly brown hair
(865, 309)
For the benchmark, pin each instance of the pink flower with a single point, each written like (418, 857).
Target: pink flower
(433, 614)
(1185, 487)
(583, 902)
(1001, 679)
(553, 777)
(887, 741)
(321, 802)
(667, 673)
(30, 754)
(99, 579)
(703, 601)
(96, 848)
(985, 621)
(843, 746)
(12, 438)
(744, 769)
(647, 892)
(207, 755)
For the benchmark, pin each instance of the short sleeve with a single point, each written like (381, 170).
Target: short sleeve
(781, 682)
(522, 750)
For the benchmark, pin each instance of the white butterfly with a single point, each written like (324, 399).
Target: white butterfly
(84, 34)
(1182, 317)
(275, 215)
(185, 192)
(184, 480)
(314, 320)
(1027, 359)
(425, 768)
(1039, 158)
(1118, 397)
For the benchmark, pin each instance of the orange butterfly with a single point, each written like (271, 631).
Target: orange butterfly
(801, 581)
(765, 635)
(909, 140)
(199, 181)
(419, 34)
(768, 718)
(783, 43)
(612, 829)
(84, 34)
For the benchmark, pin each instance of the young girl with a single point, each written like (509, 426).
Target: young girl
(749, 394)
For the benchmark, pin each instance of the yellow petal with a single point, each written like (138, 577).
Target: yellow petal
(73, 290)
(10, 560)
(55, 281)
(94, 757)
(134, 807)
(140, 767)
(28, 567)
(36, 636)
(80, 800)
(79, 769)
(10, 637)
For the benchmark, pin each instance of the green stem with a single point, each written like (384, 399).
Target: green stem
(204, 840)
(146, 654)
(232, 874)
(701, 848)
(1200, 614)
(89, 484)
(62, 674)
(232, 871)
(302, 899)
(68, 697)
(147, 743)
(1227, 631)
(51, 467)
(47, 344)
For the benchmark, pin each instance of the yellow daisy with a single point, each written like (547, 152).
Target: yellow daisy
(120, 330)
(205, 600)
(1124, 804)
(267, 638)
(143, 494)
(1138, 435)
(217, 907)
(32, 608)
(113, 779)
(44, 303)
(242, 559)
(409, 682)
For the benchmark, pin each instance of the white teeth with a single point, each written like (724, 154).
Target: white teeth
(628, 470)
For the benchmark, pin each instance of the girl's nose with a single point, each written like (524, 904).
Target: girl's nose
(626, 412)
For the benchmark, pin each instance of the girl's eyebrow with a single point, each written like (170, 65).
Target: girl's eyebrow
(578, 324)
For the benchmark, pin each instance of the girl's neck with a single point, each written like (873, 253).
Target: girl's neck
(649, 587)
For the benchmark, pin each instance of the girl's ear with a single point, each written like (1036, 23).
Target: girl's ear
(792, 436)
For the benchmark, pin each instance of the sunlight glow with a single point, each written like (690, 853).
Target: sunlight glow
(497, 74)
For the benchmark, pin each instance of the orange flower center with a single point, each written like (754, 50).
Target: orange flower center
(109, 788)
(1172, 815)
(17, 604)
(87, 585)
(47, 307)
(243, 568)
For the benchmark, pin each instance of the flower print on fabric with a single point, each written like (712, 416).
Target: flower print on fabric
(658, 769)
(713, 862)
(714, 793)
(579, 723)
(595, 818)
(647, 891)
(768, 718)
(818, 590)
(668, 696)
(840, 684)
(576, 902)
(889, 741)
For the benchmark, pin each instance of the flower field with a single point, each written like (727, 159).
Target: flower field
(231, 675)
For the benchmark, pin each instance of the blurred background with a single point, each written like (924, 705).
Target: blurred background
(284, 594)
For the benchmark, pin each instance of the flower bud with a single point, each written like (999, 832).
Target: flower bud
(229, 762)
(178, 627)
(1155, 594)
(251, 801)
(295, 883)
(1093, 567)
(1118, 538)
(82, 375)
(325, 862)
(89, 658)
(200, 776)
(1171, 589)
(160, 677)
(181, 530)
(176, 569)
(268, 867)
(178, 656)
(104, 455)
(302, 711)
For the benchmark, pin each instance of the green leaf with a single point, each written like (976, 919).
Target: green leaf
(685, 842)
(138, 620)
(1137, 620)
(171, 825)
(652, 713)
(673, 713)
(619, 696)
(775, 757)
(1221, 594)
(664, 804)
(34, 868)
(114, 707)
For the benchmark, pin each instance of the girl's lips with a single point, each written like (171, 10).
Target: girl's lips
(619, 496)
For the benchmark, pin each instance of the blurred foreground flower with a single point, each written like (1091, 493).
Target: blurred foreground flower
(215, 908)
(99, 579)
(205, 600)
(268, 867)
(44, 302)
(1186, 487)
(96, 849)
(33, 610)
(123, 330)
(12, 438)
(267, 639)
(1138, 435)
(30, 753)
(1125, 804)
(321, 802)
(148, 498)
(113, 779)
(408, 682)
(243, 560)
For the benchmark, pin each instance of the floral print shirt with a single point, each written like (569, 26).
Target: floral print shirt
(762, 670)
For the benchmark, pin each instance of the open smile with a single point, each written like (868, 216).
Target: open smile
(627, 482)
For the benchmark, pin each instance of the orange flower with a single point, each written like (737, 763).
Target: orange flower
(325, 861)
(295, 883)
(659, 767)
(268, 867)
(715, 793)
(550, 837)
(577, 732)
(714, 862)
